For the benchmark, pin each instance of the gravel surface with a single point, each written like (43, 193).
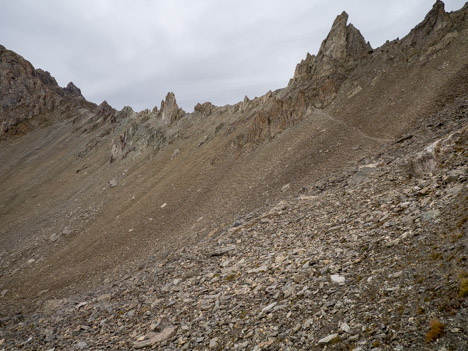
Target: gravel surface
(373, 259)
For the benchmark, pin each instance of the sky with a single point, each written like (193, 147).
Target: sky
(131, 53)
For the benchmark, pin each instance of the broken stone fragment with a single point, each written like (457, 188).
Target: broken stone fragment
(153, 338)
(223, 250)
(345, 327)
(269, 307)
(328, 339)
(337, 279)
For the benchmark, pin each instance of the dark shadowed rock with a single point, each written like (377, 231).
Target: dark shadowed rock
(73, 90)
(46, 78)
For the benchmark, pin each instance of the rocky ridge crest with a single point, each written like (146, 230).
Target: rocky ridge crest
(317, 81)
(31, 97)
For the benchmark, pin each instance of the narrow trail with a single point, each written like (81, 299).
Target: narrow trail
(328, 117)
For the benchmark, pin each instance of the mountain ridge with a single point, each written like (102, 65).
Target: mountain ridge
(96, 200)
(339, 54)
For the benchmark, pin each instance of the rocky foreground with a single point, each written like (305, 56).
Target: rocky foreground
(374, 258)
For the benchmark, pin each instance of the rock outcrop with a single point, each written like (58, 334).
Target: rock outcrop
(106, 111)
(170, 111)
(339, 53)
(146, 129)
(31, 97)
(73, 90)
(205, 109)
(433, 34)
(270, 119)
(319, 78)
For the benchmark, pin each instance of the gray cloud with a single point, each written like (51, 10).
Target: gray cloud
(134, 52)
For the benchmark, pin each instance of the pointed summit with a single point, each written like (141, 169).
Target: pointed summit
(438, 6)
(431, 30)
(169, 110)
(344, 44)
(343, 41)
(339, 53)
(334, 46)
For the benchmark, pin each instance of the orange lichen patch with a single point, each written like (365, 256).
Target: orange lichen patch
(463, 287)
(436, 330)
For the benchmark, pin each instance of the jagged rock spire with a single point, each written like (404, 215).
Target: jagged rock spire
(334, 46)
(106, 111)
(343, 47)
(343, 42)
(169, 110)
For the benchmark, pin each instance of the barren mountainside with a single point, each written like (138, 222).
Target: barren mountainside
(329, 214)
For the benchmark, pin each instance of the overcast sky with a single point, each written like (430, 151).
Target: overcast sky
(134, 52)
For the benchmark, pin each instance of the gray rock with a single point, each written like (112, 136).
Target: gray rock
(430, 215)
(345, 327)
(213, 343)
(362, 174)
(237, 223)
(327, 339)
(82, 345)
(223, 250)
(54, 237)
(153, 338)
(269, 307)
(175, 153)
(337, 279)
(203, 141)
